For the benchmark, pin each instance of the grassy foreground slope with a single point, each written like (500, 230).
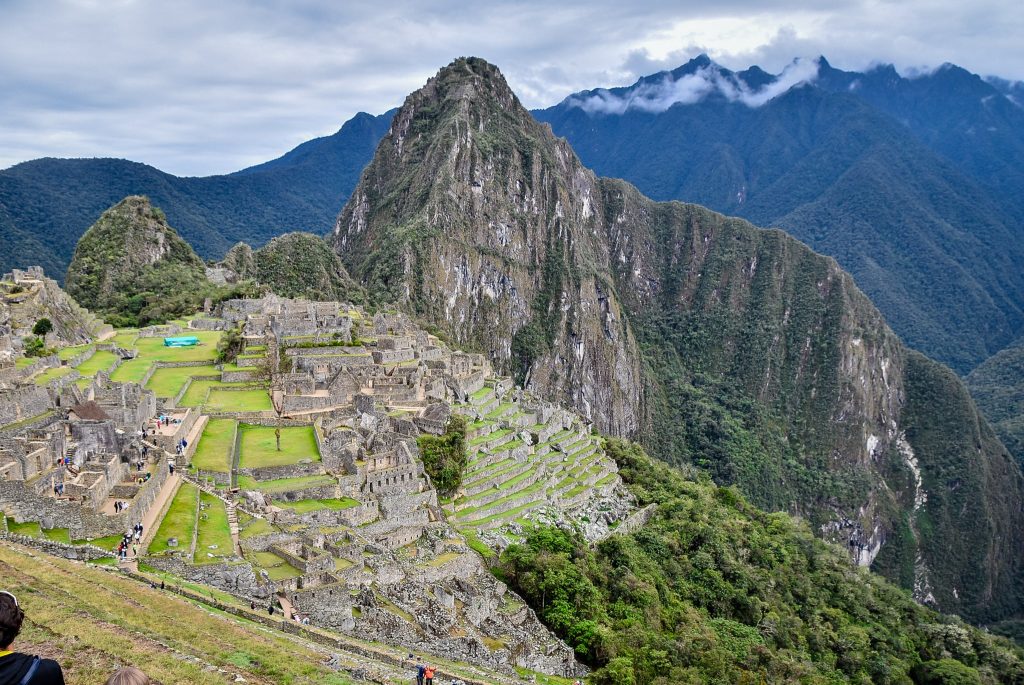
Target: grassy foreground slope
(713, 590)
(93, 621)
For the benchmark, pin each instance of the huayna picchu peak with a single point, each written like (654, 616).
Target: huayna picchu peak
(709, 340)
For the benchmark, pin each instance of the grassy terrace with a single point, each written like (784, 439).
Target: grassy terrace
(199, 390)
(276, 567)
(68, 353)
(214, 449)
(101, 360)
(259, 446)
(214, 533)
(167, 382)
(284, 484)
(304, 506)
(238, 400)
(93, 621)
(51, 374)
(154, 350)
(180, 521)
(131, 370)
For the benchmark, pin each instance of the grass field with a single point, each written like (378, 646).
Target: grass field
(180, 522)
(214, 449)
(131, 370)
(304, 506)
(92, 621)
(259, 446)
(198, 390)
(167, 382)
(213, 530)
(67, 353)
(154, 350)
(125, 337)
(276, 567)
(284, 484)
(101, 360)
(238, 400)
(52, 374)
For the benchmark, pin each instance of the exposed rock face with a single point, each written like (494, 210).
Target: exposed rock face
(474, 216)
(712, 341)
(111, 259)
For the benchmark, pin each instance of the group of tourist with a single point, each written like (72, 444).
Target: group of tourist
(17, 668)
(119, 506)
(131, 541)
(180, 447)
(58, 489)
(424, 673)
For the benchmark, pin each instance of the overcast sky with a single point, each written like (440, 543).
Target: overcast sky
(198, 87)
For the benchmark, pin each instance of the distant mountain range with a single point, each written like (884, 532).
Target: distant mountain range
(915, 185)
(47, 204)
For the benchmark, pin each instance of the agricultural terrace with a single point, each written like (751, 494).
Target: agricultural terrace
(259, 446)
(213, 453)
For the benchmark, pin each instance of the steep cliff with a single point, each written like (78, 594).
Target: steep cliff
(710, 340)
(477, 219)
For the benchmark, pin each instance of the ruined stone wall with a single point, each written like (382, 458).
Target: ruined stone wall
(22, 402)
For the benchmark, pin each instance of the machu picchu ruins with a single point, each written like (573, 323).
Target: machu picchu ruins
(291, 473)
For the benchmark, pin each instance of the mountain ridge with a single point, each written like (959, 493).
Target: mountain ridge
(580, 273)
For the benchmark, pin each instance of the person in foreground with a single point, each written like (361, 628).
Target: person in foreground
(17, 668)
(129, 675)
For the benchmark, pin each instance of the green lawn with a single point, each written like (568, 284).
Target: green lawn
(213, 530)
(276, 567)
(22, 362)
(167, 382)
(255, 527)
(131, 371)
(58, 535)
(180, 521)
(284, 484)
(154, 350)
(238, 400)
(29, 528)
(197, 392)
(213, 453)
(259, 446)
(101, 360)
(52, 374)
(108, 542)
(125, 337)
(67, 353)
(304, 506)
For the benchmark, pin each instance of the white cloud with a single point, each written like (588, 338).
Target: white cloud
(198, 87)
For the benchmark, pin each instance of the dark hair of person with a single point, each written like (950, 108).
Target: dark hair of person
(11, 618)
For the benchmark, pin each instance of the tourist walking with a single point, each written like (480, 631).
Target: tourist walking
(17, 668)
(420, 672)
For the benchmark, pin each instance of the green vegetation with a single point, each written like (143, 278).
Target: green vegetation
(998, 388)
(304, 506)
(101, 360)
(304, 265)
(68, 353)
(214, 537)
(230, 345)
(444, 457)
(199, 390)
(276, 567)
(279, 485)
(153, 348)
(42, 327)
(167, 382)
(51, 374)
(131, 371)
(134, 269)
(213, 453)
(259, 446)
(179, 522)
(78, 615)
(238, 400)
(712, 590)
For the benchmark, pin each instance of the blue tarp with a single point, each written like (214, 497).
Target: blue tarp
(185, 341)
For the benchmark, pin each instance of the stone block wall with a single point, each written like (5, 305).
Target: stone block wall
(22, 402)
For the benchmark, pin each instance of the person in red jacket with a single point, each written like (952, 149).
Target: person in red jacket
(428, 674)
(17, 668)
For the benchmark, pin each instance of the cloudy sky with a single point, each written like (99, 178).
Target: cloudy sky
(198, 87)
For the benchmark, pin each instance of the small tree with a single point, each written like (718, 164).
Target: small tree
(35, 347)
(42, 327)
(230, 345)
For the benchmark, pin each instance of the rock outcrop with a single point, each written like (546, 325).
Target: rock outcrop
(710, 340)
